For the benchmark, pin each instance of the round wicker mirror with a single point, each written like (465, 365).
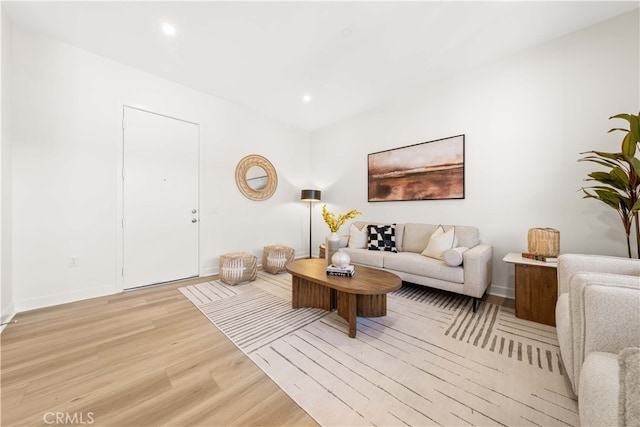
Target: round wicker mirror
(256, 177)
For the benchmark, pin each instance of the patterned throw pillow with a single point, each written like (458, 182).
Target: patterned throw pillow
(382, 238)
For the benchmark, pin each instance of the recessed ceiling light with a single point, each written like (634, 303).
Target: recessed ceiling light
(168, 29)
(306, 99)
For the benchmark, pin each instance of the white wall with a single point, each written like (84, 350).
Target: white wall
(7, 308)
(526, 119)
(67, 150)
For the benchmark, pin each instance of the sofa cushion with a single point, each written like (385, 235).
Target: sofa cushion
(599, 389)
(358, 238)
(366, 257)
(419, 265)
(440, 241)
(468, 236)
(629, 398)
(605, 312)
(382, 237)
(564, 330)
(399, 236)
(416, 237)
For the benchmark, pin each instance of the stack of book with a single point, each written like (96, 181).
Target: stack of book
(334, 270)
(542, 258)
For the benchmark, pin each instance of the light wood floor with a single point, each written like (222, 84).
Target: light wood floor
(140, 358)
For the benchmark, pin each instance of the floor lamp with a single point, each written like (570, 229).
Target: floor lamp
(310, 196)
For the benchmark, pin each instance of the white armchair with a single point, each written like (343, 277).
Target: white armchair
(570, 265)
(598, 323)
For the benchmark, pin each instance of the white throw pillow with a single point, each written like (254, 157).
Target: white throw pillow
(358, 239)
(453, 257)
(440, 241)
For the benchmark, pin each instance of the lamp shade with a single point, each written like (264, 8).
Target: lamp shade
(310, 195)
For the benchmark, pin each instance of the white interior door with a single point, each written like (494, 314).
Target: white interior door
(160, 206)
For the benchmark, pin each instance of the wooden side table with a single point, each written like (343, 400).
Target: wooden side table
(536, 288)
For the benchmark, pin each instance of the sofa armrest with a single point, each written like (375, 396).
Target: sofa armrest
(570, 264)
(629, 398)
(605, 314)
(478, 264)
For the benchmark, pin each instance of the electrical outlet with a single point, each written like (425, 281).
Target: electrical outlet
(74, 261)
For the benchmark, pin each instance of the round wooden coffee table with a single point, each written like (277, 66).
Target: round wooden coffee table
(364, 294)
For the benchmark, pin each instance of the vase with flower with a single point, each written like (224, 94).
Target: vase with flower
(333, 241)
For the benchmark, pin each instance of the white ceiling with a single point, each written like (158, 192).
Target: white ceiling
(349, 56)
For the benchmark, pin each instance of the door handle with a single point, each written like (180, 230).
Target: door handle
(194, 220)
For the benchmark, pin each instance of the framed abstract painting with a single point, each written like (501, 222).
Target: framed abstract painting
(430, 170)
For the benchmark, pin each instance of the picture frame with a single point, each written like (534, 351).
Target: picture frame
(432, 170)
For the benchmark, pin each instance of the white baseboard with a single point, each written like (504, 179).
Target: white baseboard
(7, 318)
(209, 271)
(502, 291)
(64, 298)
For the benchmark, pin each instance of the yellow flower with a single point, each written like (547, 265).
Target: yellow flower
(335, 224)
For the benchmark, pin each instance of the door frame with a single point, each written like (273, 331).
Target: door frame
(120, 191)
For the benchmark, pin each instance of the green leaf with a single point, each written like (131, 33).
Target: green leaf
(612, 156)
(634, 128)
(612, 159)
(602, 187)
(625, 116)
(635, 164)
(610, 198)
(603, 162)
(621, 176)
(612, 179)
(600, 176)
(628, 145)
(615, 129)
(634, 125)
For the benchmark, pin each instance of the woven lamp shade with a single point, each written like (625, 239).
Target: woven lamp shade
(544, 241)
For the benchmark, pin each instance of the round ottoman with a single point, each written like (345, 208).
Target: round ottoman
(276, 257)
(238, 267)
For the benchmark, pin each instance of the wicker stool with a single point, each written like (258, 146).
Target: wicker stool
(275, 258)
(238, 267)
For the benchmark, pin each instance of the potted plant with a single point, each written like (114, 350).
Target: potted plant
(619, 185)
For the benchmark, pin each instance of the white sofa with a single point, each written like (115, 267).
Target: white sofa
(471, 278)
(598, 327)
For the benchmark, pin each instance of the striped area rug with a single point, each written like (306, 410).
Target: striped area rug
(430, 361)
(493, 328)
